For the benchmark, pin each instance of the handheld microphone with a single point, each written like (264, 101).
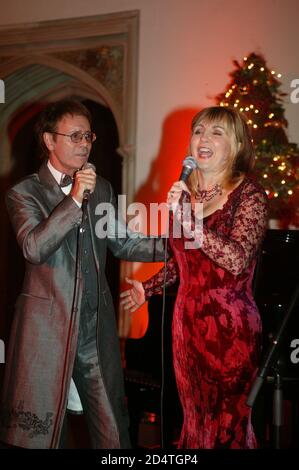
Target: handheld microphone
(86, 192)
(189, 164)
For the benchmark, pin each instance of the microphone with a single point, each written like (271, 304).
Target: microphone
(86, 192)
(189, 164)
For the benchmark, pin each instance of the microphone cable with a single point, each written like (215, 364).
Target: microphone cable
(162, 426)
(189, 164)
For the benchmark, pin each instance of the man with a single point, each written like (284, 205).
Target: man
(51, 341)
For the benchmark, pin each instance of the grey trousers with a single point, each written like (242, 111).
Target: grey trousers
(89, 382)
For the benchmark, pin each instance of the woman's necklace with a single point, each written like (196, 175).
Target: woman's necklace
(205, 195)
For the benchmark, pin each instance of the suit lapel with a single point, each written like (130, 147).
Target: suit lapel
(53, 196)
(52, 190)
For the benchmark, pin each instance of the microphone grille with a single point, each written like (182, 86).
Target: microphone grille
(89, 165)
(190, 162)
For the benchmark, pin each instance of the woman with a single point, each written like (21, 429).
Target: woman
(216, 325)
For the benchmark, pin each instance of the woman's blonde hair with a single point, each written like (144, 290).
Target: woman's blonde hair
(242, 157)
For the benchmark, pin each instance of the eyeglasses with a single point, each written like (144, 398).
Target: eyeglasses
(77, 136)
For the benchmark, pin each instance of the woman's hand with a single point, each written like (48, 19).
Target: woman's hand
(174, 194)
(133, 298)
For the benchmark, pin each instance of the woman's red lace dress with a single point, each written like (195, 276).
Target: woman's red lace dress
(216, 330)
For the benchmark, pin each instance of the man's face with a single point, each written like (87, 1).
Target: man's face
(65, 155)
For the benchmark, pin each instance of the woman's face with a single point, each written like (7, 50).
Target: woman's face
(211, 146)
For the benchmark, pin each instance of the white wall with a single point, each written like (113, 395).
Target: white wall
(186, 51)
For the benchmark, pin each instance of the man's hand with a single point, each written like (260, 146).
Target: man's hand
(133, 298)
(84, 179)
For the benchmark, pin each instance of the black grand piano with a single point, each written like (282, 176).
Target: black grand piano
(276, 278)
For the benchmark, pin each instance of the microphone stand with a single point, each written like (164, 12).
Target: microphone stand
(78, 270)
(263, 371)
(78, 273)
(189, 164)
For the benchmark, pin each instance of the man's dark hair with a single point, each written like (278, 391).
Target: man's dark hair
(52, 114)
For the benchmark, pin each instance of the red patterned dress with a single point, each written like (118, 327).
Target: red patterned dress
(216, 329)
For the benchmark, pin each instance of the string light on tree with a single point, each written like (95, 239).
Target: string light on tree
(255, 90)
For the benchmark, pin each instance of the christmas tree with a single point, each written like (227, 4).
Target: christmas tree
(255, 90)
